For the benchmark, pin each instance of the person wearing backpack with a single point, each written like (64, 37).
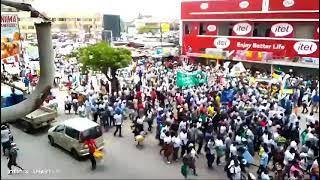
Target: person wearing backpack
(13, 153)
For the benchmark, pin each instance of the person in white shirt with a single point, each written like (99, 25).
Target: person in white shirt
(5, 138)
(82, 110)
(184, 141)
(305, 102)
(288, 156)
(265, 175)
(68, 103)
(176, 145)
(118, 121)
(210, 152)
(310, 119)
(234, 169)
(167, 146)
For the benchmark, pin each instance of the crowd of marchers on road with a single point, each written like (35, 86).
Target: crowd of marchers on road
(232, 120)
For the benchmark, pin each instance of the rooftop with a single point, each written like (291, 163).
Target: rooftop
(80, 124)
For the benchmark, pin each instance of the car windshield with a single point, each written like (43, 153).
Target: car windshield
(91, 133)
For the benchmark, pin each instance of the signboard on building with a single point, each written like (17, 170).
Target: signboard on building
(10, 38)
(165, 27)
(242, 29)
(281, 30)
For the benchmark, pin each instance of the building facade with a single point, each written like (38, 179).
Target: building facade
(270, 31)
(74, 23)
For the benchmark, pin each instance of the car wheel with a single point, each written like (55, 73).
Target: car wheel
(27, 127)
(51, 141)
(75, 154)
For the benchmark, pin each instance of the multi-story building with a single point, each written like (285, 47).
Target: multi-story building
(281, 32)
(74, 23)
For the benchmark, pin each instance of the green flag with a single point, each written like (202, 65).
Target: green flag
(190, 79)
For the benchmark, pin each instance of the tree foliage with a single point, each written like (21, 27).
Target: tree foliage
(146, 29)
(101, 57)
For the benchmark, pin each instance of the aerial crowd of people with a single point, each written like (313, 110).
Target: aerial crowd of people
(255, 126)
(235, 121)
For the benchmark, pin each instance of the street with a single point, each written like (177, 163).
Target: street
(123, 159)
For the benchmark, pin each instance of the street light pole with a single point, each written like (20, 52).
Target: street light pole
(161, 33)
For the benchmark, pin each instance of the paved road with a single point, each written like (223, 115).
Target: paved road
(123, 159)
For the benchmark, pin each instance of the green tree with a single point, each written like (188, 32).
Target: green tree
(102, 57)
(146, 29)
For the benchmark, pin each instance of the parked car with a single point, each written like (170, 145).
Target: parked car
(71, 135)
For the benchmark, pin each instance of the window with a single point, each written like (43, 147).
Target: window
(30, 27)
(224, 29)
(92, 133)
(54, 19)
(72, 133)
(304, 31)
(261, 30)
(61, 19)
(202, 29)
(78, 19)
(186, 29)
(59, 128)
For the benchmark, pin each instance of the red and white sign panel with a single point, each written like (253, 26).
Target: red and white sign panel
(281, 30)
(242, 29)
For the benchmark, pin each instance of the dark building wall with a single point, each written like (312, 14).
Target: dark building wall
(112, 23)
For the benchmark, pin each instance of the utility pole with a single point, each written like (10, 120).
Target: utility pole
(161, 33)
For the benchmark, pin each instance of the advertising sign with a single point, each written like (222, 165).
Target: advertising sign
(242, 29)
(281, 30)
(10, 38)
(221, 43)
(305, 48)
(212, 28)
(189, 79)
(165, 27)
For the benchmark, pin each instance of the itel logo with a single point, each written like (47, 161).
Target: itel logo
(204, 6)
(304, 48)
(212, 28)
(221, 43)
(288, 3)
(242, 29)
(282, 29)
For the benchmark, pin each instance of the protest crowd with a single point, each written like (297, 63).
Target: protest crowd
(236, 121)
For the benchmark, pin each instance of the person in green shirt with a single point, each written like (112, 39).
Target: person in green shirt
(185, 170)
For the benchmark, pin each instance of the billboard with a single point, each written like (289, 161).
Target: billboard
(10, 38)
